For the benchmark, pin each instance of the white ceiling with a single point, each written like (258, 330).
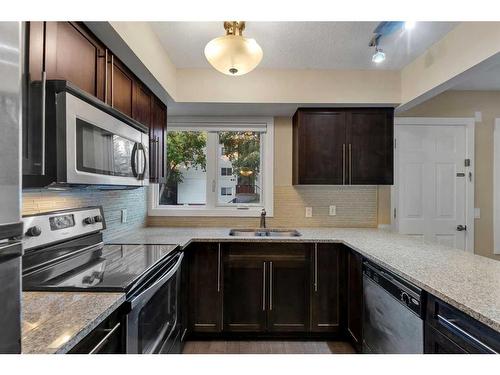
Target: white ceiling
(304, 45)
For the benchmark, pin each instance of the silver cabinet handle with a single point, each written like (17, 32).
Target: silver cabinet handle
(315, 267)
(158, 158)
(112, 81)
(350, 164)
(44, 99)
(448, 323)
(106, 76)
(101, 343)
(270, 286)
(218, 269)
(264, 288)
(343, 163)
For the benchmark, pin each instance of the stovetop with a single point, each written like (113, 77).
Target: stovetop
(105, 268)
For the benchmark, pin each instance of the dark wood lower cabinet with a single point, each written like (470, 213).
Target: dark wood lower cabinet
(244, 293)
(205, 289)
(437, 343)
(354, 297)
(289, 293)
(326, 292)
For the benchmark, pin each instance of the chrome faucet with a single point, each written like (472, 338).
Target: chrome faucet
(263, 218)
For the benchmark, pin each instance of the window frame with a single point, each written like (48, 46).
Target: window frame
(212, 208)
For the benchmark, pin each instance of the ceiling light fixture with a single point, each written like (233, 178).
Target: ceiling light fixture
(378, 56)
(233, 54)
(409, 25)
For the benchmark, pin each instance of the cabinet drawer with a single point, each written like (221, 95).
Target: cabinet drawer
(468, 333)
(437, 343)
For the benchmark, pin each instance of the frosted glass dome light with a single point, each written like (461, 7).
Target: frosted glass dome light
(233, 54)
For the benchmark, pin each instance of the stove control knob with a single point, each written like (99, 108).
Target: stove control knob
(405, 298)
(89, 220)
(34, 231)
(98, 219)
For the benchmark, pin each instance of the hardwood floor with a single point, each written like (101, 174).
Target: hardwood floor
(268, 347)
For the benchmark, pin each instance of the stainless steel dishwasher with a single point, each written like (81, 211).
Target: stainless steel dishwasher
(392, 315)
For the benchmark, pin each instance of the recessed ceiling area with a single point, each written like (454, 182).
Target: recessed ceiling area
(304, 45)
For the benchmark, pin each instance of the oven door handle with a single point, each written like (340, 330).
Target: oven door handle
(149, 292)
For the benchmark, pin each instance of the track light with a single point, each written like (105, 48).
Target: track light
(378, 56)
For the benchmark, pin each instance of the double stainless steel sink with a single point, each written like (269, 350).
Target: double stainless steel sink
(263, 232)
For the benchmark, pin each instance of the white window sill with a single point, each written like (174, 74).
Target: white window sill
(207, 212)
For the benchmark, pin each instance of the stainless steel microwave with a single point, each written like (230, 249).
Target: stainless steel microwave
(83, 141)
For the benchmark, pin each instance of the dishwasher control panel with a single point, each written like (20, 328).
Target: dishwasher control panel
(406, 293)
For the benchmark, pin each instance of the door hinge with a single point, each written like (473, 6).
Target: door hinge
(395, 142)
(394, 213)
(467, 162)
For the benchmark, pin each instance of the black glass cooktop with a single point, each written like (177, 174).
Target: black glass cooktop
(95, 268)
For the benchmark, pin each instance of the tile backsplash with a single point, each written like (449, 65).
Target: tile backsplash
(134, 201)
(356, 207)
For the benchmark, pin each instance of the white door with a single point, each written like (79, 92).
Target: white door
(431, 179)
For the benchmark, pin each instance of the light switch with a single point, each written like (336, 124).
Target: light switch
(309, 211)
(332, 210)
(477, 213)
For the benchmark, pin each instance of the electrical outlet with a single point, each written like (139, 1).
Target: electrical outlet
(332, 211)
(309, 212)
(124, 215)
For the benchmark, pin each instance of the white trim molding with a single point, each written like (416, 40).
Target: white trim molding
(469, 124)
(496, 187)
(211, 209)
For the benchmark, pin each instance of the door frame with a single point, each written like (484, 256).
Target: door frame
(496, 187)
(469, 124)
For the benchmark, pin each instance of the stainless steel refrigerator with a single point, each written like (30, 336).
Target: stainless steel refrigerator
(11, 227)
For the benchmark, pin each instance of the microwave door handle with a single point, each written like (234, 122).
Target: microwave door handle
(132, 160)
(141, 161)
(144, 163)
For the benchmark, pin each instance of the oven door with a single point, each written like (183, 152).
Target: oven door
(100, 149)
(153, 324)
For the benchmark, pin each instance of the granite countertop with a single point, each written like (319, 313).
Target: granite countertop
(54, 322)
(466, 281)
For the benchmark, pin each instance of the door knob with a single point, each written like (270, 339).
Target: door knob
(461, 227)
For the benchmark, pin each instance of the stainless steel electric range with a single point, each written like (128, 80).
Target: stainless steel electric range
(64, 251)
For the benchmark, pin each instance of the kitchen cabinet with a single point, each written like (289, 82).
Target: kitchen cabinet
(354, 297)
(71, 53)
(205, 287)
(266, 288)
(120, 86)
(327, 295)
(450, 330)
(343, 146)
(107, 338)
(157, 135)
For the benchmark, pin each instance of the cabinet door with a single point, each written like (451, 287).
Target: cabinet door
(354, 297)
(157, 134)
(370, 146)
(244, 293)
(205, 313)
(141, 110)
(121, 86)
(327, 288)
(288, 309)
(73, 54)
(319, 139)
(437, 343)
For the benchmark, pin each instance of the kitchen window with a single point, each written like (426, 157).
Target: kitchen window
(216, 167)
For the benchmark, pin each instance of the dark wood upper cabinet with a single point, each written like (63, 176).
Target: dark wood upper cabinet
(73, 54)
(370, 146)
(204, 287)
(157, 148)
(142, 102)
(319, 147)
(343, 146)
(354, 298)
(326, 288)
(121, 87)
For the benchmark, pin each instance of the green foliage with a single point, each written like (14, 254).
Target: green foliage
(243, 150)
(185, 148)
